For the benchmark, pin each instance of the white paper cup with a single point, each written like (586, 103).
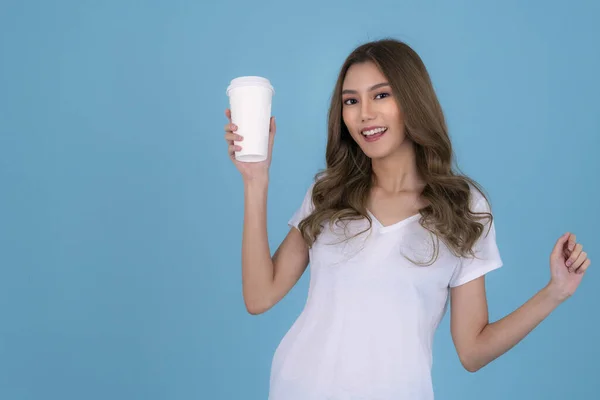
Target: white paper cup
(250, 104)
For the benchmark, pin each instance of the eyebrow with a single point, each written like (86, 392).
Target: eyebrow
(371, 89)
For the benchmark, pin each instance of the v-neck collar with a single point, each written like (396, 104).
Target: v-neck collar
(396, 225)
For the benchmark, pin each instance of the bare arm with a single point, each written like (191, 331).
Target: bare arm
(265, 279)
(479, 342)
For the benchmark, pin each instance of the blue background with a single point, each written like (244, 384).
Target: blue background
(121, 214)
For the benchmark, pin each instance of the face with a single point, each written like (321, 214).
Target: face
(368, 108)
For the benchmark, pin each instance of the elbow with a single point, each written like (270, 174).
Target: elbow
(470, 364)
(471, 368)
(258, 304)
(256, 309)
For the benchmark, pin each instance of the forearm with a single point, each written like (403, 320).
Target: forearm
(500, 336)
(257, 265)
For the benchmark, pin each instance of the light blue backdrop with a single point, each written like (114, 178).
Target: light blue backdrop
(121, 215)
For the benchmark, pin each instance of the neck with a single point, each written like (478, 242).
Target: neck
(397, 172)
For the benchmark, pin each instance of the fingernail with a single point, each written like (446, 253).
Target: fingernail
(569, 263)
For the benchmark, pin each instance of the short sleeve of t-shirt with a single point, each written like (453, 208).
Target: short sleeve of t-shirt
(487, 254)
(304, 210)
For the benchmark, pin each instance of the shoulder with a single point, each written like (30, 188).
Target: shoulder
(478, 200)
(308, 204)
(311, 187)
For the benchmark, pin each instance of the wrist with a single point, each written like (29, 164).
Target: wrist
(555, 293)
(256, 183)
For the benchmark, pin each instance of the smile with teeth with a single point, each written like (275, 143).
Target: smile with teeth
(374, 131)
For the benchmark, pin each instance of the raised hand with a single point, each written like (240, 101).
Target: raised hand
(249, 170)
(568, 263)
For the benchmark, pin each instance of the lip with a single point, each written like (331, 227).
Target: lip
(368, 128)
(373, 138)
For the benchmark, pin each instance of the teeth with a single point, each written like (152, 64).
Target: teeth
(374, 131)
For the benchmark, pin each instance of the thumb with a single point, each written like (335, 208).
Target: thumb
(272, 130)
(557, 252)
(273, 127)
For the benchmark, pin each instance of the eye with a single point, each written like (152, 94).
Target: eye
(384, 94)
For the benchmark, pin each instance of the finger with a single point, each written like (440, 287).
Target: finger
(572, 241)
(584, 266)
(579, 261)
(228, 114)
(272, 131)
(559, 246)
(272, 126)
(576, 252)
(233, 148)
(231, 137)
(230, 127)
(566, 254)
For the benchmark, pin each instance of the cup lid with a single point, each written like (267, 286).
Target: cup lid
(250, 81)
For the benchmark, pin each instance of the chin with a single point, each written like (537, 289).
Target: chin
(378, 151)
(378, 155)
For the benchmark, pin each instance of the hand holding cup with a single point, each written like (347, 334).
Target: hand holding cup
(249, 170)
(251, 127)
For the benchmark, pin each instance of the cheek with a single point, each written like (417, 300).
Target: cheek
(396, 119)
(345, 116)
(347, 120)
(393, 111)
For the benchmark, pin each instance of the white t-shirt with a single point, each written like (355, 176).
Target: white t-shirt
(367, 328)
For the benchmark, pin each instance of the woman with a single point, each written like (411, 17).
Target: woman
(391, 232)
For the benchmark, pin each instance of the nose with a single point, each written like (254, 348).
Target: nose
(366, 110)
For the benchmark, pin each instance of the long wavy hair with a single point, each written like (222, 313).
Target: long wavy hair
(342, 189)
